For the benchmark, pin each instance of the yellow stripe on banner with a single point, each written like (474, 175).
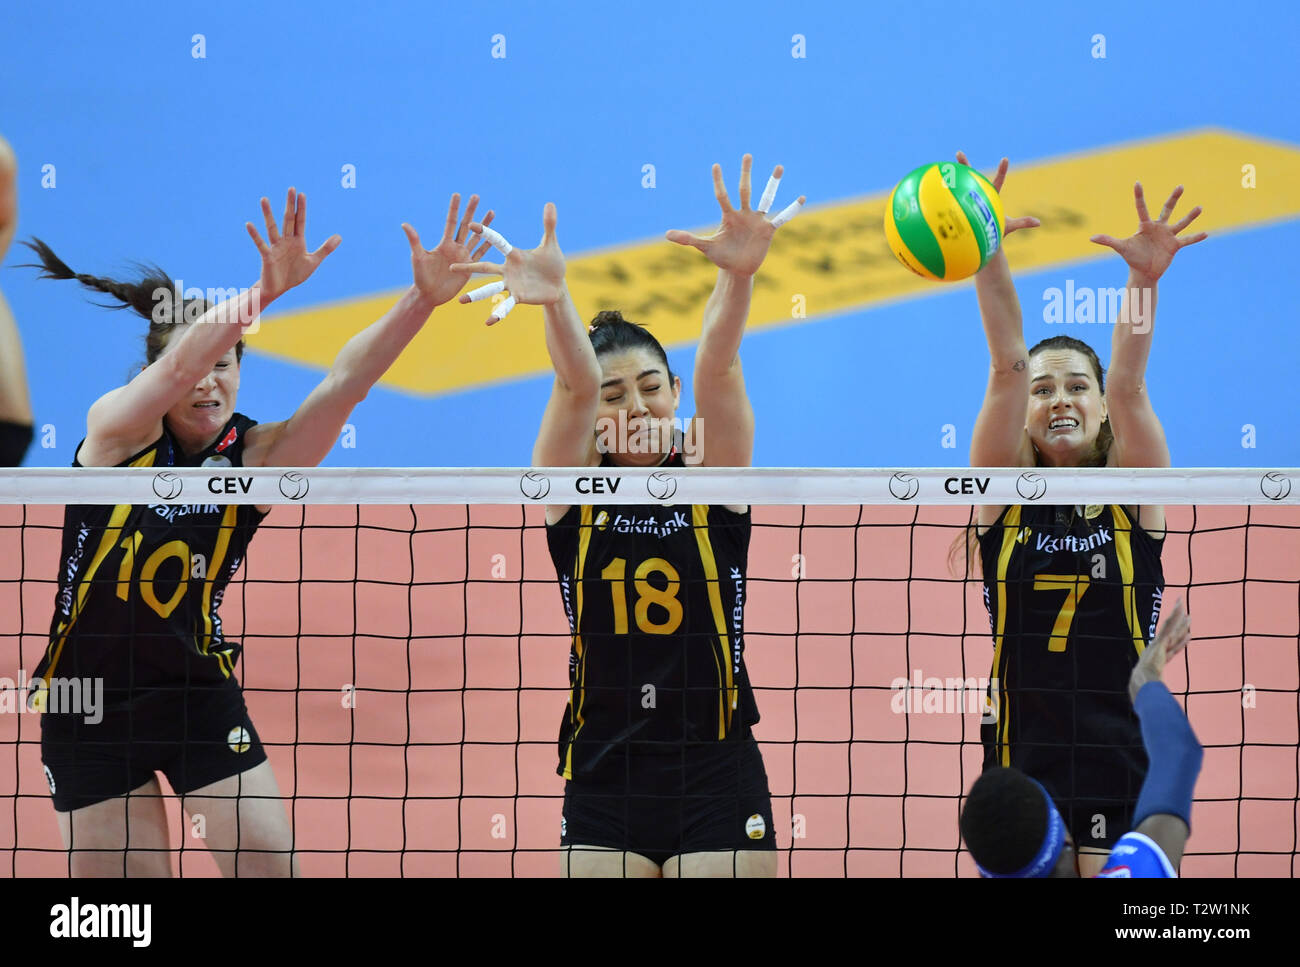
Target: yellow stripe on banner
(1010, 530)
(575, 709)
(834, 255)
(726, 688)
(1124, 552)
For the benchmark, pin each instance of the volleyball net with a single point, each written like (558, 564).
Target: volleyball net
(406, 652)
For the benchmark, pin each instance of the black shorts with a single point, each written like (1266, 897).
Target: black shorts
(194, 737)
(704, 798)
(1095, 788)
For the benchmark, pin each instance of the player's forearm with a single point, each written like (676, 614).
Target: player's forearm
(15, 401)
(214, 334)
(368, 355)
(568, 343)
(1174, 752)
(1131, 341)
(1000, 314)
(724, 324)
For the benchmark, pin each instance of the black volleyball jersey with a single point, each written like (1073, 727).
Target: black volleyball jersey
(1073, 595)
(655, 599)
(140, 585)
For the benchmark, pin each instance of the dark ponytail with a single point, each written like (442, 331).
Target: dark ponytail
(152, 296)
(611, 333)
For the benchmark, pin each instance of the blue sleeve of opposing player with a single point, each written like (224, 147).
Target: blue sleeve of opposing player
(1174, 752)
(1137, 857)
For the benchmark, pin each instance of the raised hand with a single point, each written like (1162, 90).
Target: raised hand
(1013, 224)
(286, 261)
(740, 244)
(1173, 637)
(433, 269)
(533, 277)
(1149, 251)
(8, 196)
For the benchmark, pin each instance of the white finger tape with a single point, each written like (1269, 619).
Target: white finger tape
(769, 194)
(487, 291)
(503, 308)
(497, 242)
(787, 213)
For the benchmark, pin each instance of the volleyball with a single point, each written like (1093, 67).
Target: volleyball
(944, 221)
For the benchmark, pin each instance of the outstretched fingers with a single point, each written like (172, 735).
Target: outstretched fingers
(1169, 205)
(720, 190)
(272, 232)
(1140, 200)
(769, 192)
(1187, 219)
(413, 237)
(686, 238)
(262, 248)
(476, 250)
(453, 208)
(328, 246)
(788, 212)
(289, 213)
(746, 164)
(477, 268)
(484, 292)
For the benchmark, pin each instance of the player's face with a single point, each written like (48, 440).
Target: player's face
(1066, 408)
(207, 407)
(634, 418)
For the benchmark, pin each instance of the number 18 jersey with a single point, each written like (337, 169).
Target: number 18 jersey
(655, 599)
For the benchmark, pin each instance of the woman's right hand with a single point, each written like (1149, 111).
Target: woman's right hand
(1013, 224)
(533, 277)
(286, 261)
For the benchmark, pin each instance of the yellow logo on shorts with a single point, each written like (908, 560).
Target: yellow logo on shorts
(239, 740)
(755, 828)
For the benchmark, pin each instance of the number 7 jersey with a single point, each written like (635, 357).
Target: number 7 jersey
(655, 600)
(140, 585)
(1073, 595)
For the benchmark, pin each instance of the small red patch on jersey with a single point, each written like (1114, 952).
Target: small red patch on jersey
(230, 438)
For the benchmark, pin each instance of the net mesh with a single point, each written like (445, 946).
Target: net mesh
(406, 666)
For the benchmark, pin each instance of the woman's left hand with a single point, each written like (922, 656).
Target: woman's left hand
(432, 269)
(1149, 251)
(741, 243)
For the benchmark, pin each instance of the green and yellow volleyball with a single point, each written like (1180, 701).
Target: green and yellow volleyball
(944, 221)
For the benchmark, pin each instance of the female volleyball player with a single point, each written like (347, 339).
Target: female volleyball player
(1073, 593)
(1013, 829)
(140, 586)
(664, 775)
(15, 404)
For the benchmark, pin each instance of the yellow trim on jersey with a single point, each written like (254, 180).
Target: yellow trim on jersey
(116, 521)
(575, 710)
(226, 529)
(1124, 552)
(700, 522)
(1010, 531)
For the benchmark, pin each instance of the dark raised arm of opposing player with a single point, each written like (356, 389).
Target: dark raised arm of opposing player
(1163, 811)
